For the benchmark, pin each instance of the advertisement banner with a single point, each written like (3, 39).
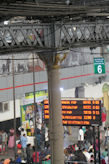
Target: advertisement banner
(27, 112)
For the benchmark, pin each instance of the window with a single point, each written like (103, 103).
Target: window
(5, 106)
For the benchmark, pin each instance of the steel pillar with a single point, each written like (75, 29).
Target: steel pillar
(52, 61)
(55, 121)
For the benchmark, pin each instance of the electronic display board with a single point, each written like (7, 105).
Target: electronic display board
(78, 112)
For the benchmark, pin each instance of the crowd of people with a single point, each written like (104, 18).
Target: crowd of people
(83, 150)
(25, 152)
(80, 152)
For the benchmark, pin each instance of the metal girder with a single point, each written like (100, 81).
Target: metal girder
(80, 35)
(44, 36)
(24, 37)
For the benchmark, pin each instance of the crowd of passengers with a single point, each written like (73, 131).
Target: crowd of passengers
(83, 151)
(32, 157)
(25, 152)
(79, 153)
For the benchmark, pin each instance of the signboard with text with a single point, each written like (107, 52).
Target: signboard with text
(41, 93)
(99, 66)
(78, 112)
(39, 97)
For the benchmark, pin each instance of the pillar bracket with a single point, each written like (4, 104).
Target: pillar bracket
(52, 60)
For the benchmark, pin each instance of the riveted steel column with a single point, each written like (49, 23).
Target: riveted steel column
(55, 121)
(52, 62)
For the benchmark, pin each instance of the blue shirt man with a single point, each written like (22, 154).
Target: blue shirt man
(24, 141)
(24, 145)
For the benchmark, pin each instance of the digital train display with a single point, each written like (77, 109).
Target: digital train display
(78, 112)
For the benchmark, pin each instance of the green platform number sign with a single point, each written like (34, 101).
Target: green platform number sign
(99, 66)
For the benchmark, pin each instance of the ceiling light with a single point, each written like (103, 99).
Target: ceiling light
(6, 22)
(61, 89)
(67, 2)
(74, 28)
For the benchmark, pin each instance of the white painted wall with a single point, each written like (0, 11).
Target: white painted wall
(68, 93)
(91, 91)
(94, 91)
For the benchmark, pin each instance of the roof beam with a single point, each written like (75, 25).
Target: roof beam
(39, 37)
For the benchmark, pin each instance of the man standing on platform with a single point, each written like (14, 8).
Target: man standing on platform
(4, 140)
(24, 145)
(80, 137)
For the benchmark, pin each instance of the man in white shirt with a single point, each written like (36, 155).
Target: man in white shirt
(80, 136)
(87, 155)
(39, 123)
(106, 159)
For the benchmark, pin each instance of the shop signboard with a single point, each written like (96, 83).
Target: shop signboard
(39, 96)
(42, 94)
(99, 66)
(78, 112)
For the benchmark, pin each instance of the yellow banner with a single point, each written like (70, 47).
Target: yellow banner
(37, 94)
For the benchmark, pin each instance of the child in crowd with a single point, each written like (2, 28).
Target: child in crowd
(18, 159)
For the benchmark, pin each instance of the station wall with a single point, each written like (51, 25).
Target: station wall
(90, 91)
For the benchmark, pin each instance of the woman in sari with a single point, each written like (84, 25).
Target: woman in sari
(11, 138)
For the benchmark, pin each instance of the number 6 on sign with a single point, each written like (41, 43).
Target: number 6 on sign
(99, 68)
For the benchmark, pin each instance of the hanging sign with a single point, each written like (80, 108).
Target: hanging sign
(99, 66)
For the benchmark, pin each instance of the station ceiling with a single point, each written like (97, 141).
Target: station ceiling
(55, 10)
